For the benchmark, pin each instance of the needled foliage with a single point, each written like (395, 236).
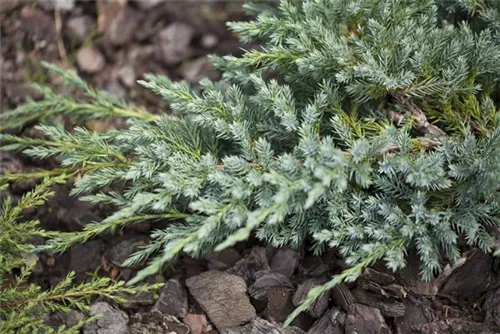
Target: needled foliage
(23, 305)
(369, 126)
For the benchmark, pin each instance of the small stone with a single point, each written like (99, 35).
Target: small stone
(112, 320)
(122, 248)
(90, 60)
(155, 322)
(320, 305)
(208, 41)
(122, 28)
(285, 261)
(63, 5)
(114, 88)
(174, 43)
(197, 323)
(127, 75)
(332, 322)
(223, 259)
(38, 25)
(363, 319)
(173, 299)
(85, 258)
(148, 4)
(264, 280)
(81, 26)
(252, 263)
(223, 297)
(198, 69)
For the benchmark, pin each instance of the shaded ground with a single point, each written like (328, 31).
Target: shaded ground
(245, 289)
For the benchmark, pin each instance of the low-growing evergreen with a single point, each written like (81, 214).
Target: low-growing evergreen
(368, 126)
(24, 305)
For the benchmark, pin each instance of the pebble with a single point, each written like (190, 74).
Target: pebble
(198, 69)
(223, 297)
(123, 27)
(90, 60)
(209, 41)
(112, 320)
(127, 75)
(63, 5)
(81, 26)
(148, 4)
(173, 299)
(174, 43)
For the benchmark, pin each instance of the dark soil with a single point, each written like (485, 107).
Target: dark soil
(246, 289)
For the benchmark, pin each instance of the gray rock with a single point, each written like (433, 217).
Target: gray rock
(63, 5)
(261, 326)
(85, 258)
(148, 4)
(198, 69)
(264, 280)
(155, 322)
(114, 88)
(332, 322)
(127, 75)
(209, 41)
(90, 60)
(320, 305)
(173, 299)
(223, 298)
(112, 321)
(223, 259)
(174, 43)
(122, 27)
(81, 26)
(252, 263)
(362, 319)
(122, 248)
(285, 261)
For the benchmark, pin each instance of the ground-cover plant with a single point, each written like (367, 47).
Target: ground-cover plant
(369, 126)
(23, 305)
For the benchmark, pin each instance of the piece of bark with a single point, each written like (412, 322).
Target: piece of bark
(389, 307)
(285, 261)
(264, 280)
(252, 263)
(320, 304)
(469, 281)
(261, 326)
(455, 326)
(332, 322)
(417, 313)
(342, 296)
(362, 319)
(223, 298)
(279, 303)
